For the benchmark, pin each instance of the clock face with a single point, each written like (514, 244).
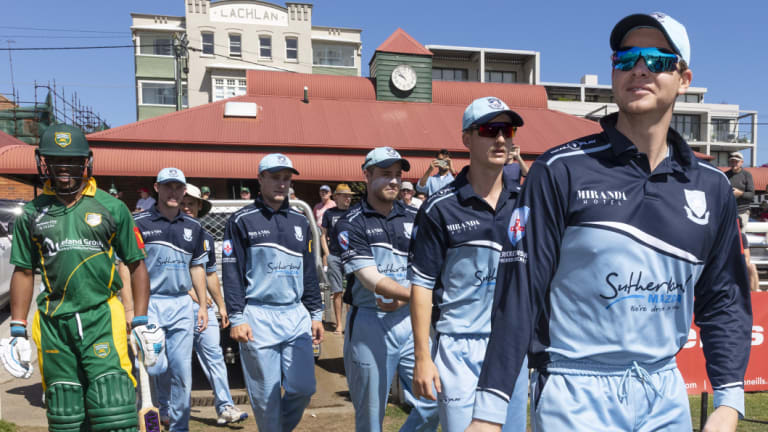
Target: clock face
(404, 77)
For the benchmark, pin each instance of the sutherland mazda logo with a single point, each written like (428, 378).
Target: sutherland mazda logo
(600, 197)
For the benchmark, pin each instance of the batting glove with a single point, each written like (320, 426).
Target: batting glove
(147, 339)
(15, 353)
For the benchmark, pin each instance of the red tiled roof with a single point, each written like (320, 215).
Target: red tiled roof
(210, 164)
(759, 176)
(401, 42)
(6, 140)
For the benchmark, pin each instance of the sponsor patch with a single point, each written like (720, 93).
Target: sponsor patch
(206, 246)
(344, 240)
(226, 248)
(101, 349)
(139, 238)
(93, 219)
(516, 230)
(62, 139)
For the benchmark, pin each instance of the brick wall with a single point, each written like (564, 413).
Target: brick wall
(14, 190)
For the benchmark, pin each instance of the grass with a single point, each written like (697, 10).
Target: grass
(756, 405)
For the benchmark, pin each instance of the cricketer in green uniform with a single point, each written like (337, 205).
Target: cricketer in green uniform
(71, 233)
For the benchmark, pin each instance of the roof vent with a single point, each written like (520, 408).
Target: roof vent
(241, 109)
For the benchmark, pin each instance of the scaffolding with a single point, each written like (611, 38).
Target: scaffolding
(28, 120)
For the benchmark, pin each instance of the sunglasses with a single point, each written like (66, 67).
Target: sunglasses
(491, 130)
(656, 60)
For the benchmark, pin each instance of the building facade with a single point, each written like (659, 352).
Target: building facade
(710, 128)
(223, 40)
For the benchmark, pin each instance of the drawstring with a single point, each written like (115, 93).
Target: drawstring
(642, 375)
(79, 325)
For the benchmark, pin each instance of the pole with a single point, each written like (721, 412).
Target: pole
(180, 51)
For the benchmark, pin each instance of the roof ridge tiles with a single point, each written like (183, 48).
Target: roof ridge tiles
(401, 42)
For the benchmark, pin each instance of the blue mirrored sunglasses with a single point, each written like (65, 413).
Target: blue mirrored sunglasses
(655, 59)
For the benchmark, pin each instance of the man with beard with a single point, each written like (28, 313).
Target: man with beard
(273, 298)
(176, 257)
(374, 237)
(71, 233)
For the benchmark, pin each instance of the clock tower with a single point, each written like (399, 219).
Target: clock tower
(401, 68)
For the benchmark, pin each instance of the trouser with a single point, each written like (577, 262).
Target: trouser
(459, 359)
(376, 345)
(208, 349)
(85, 367)
(572, 396)
(279, 356)
(173, 373)
(335, 274)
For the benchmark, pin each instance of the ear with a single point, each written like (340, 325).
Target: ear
(156, 188)
(465, 139)
(685, 81)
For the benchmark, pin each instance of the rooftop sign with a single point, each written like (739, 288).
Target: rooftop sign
(249, 13)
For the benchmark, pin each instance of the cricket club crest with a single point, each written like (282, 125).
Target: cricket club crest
(62, 139)
(408, 229)
(93, 219)
(696, 207)
(226, 247)
(297, 231)
(188, 234)
(517, 222)
(101, 349)
(344, 240)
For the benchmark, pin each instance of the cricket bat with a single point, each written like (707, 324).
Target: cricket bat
(149, 416)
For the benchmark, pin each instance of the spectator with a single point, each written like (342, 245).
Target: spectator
(515, 167)
(325, 203)
(406, 195)
(205, 192)
(429, 183)
(292, 194)
(114, 192)
(332, 250)
(762, 212)
(421, 196)
(145, 201)
(754, 278)
(743, 185)
(245, 193)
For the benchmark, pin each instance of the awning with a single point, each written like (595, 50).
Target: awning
(120, 162)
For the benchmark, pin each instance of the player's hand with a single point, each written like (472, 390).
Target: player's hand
(147, 340)
(317, 332)
(424, 376)
(16, 354)
(128, 319)
(388, 306)
(209, 301)
(224, 316)
(241, 333)
(483, 426)
(722, 419)
(202, 319)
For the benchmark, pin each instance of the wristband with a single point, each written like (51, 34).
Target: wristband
(19, 322)
(139, 321)
(18, 331)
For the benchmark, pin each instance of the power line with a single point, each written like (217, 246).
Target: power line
(63, 37)
(63, 30)
(68, 48)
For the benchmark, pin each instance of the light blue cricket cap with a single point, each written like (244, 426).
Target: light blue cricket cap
(483, 109)
(167, 175)
(384, 157)
(673, 31)
(276, 162)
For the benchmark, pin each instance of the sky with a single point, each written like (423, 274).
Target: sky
(728, 42)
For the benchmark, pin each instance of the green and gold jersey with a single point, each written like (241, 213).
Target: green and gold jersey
(74, 248)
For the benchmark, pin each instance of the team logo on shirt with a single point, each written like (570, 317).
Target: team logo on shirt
(93, 219)
(101, 349)
(516, 230)
(226, 247)
(344, 240)
(188, 234)
(298, 233)
(408, 229)
(696, 206)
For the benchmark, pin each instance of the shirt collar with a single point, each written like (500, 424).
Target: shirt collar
(259, 202)
(156, 215)
(679, 158)
(465, 191)
(398, 208)
(88, 190)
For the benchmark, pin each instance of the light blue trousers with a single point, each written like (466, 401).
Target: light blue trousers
(632, 400)
(173, 373)
(459, 360)
(377, 344)
(208, 349)
(279, 356)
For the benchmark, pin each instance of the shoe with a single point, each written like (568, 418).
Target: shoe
(231, 414)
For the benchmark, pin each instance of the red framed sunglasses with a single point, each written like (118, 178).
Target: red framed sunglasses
(491, 130)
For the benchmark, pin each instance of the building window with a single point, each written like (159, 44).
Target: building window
(208, 44)
(224, 88)
(291, 48)
(160, 93)
(693, 98)
(500, 77)
(235, 45)
(721, 130)
(324, 54)
(448, 74)
(265, 46)
(155, 44)
(689, 126)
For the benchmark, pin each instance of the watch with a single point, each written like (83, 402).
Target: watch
(404, 77)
